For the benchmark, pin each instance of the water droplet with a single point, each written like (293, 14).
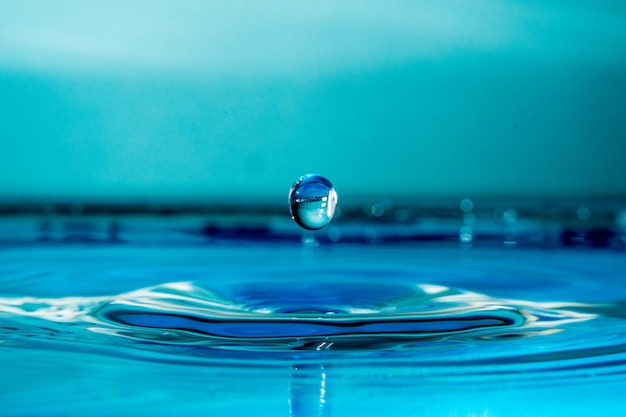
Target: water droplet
(510, 216)
(377, 210)
(312, 201)
(583, 213)
(467, 205)
(469, 219)
(334, 234)
(402, 215)
(465, 236)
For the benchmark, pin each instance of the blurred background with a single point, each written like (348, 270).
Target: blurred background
(235, 100)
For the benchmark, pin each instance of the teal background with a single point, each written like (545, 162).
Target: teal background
(237, 99)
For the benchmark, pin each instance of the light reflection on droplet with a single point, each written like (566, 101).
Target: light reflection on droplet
(312, 201)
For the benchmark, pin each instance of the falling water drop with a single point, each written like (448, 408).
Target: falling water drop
(312, 201)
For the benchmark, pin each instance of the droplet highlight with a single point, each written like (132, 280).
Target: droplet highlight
(312, 201)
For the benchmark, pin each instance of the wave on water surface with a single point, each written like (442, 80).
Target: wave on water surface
(279, 318)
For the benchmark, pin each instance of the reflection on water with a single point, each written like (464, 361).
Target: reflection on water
(267, 317)
(307, 394)
(307, 327)
(187, 313)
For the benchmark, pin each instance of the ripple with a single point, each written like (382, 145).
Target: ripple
(274, 317)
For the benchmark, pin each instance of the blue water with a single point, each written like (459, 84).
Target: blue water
(242, 327)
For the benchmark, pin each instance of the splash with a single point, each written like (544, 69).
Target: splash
(272, 317)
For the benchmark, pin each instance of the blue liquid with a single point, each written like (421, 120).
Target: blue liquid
(357, 316)
(312, 201)
(349, 329)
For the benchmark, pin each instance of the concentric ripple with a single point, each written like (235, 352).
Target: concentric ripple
(273, 317)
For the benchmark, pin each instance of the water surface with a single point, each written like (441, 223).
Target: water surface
(326, 330)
